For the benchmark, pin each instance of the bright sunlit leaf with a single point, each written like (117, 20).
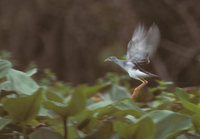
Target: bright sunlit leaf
(5, 66)
(169, 123)
(21, 82)
(4, 122)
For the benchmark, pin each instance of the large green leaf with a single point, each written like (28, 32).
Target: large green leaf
(74, 105)
(52, 95)
(125, 130)
(73, 133)
(116, 93)
(104, 112)
(143, 128)
(196, 122)
(4, 122)
(104, 131)
(186, 104)
(120, 108)
(89, 91)
(82, 119)
(45, 133)
(21, 83)
(5, 66)
(58, 108)
(127, 106)
(23, 109)
(100, 104)
(6, 86)
(46, 113)
(89, 124)
(169, 123)
(31, 72)
(188, 136)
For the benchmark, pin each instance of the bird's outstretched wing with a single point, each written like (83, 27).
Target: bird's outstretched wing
(143, 44)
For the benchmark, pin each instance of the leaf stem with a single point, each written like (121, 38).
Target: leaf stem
(65, 119)
(24, 132)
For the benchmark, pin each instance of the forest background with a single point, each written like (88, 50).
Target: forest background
(73, 37)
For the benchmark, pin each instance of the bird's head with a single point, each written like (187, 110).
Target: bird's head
(111, 58)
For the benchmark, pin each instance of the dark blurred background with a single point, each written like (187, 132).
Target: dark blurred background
(72, 37)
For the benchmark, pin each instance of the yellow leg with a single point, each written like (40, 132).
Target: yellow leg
(137, 90)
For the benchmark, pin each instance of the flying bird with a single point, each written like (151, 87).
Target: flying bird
(141, 48)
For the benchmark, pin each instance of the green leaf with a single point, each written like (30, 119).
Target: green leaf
(58, 108)
(104, 131)
(82, 118)
(89, 91)
(181, 137)
(73, 133)
(169, 123)
(6, 86)
(5, 66)
(188, 136)
(126, 130)
(21, 82)
(144, 128)
(186, 104)
(164, 83)
(23, 109)
(51, 95)
(196, 122)
(58, 127)
(45, 133)
(120, 108)
(182, 94)
(89, 125)
(104, 111)
(127, 106)
(31, 72)
(46, 113)
(99, 104)
(33, 122)
(4, 122)
(74, 105)
(116, 93)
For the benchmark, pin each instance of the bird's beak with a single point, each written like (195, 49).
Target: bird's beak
(106, 60)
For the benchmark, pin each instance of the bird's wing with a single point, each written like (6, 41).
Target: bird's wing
(143, 44)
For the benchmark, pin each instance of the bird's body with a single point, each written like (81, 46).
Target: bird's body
(133, 70)
(137, 74)
(140, 49)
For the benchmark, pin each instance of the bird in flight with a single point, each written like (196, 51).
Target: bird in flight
(141, 48)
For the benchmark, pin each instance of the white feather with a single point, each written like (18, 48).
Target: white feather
(137, 74)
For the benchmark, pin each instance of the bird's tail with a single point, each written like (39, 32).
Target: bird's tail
(152, 75)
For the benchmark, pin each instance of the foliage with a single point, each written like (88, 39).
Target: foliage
(52, 109)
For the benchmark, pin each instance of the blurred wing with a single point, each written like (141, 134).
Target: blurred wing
(143, 44)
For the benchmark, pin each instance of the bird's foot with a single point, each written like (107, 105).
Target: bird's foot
(135, 93)
(137, 90)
